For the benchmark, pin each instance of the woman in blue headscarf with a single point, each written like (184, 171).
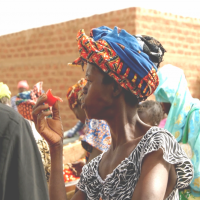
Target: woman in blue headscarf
(142, 162)
(183, 120)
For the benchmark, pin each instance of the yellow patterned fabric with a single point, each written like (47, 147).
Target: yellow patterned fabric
(43, 149)
(4, 91)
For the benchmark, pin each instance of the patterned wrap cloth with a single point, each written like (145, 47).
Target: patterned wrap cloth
(173, 89)
(4, 91)
(25, 102)
(43, 149)
(131, 61)
(75, 93)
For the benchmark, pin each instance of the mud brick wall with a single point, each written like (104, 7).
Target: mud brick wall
(42, 54)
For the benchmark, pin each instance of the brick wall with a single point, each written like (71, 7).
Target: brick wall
(43, 53)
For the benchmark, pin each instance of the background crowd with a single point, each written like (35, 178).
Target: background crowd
(173, 109)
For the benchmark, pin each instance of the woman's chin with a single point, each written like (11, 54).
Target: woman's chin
(89, 114)
(89, 111)
(83, 105)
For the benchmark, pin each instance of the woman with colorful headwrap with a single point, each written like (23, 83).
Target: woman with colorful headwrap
(142, 162)
(25, 102)
(183, 118)
(5, 94)
(97, 137)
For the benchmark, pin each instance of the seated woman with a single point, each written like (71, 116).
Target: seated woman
(142, 162)
(183, 118)
(97, 137)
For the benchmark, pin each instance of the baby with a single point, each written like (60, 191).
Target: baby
(150, 112)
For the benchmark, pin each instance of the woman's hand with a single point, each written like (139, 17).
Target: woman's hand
(50, 129)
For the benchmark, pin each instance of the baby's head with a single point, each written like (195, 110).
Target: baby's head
(150, 112)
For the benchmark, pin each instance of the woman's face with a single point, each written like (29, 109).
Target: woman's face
(97, 98)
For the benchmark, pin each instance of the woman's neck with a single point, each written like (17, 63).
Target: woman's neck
(125, 125)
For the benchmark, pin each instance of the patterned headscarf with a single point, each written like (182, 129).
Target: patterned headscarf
(75, 93)
(4, 91)
(131, 61)
(26, 100)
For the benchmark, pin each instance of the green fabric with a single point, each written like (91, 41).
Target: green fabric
(187, 194)
(185, 134)
(184, 194)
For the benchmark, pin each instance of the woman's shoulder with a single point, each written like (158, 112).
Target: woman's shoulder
(159, 138)
(154, 133)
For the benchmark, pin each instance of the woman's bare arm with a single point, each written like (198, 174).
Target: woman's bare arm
(79, 195)
(153, 181)
(56, 184)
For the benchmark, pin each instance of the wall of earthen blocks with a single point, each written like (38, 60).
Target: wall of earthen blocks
(42, 54)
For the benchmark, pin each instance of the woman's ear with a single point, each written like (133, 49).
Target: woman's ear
(117, 89)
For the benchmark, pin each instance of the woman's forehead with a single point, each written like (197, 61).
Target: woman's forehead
(88, 69)
(91, 70)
